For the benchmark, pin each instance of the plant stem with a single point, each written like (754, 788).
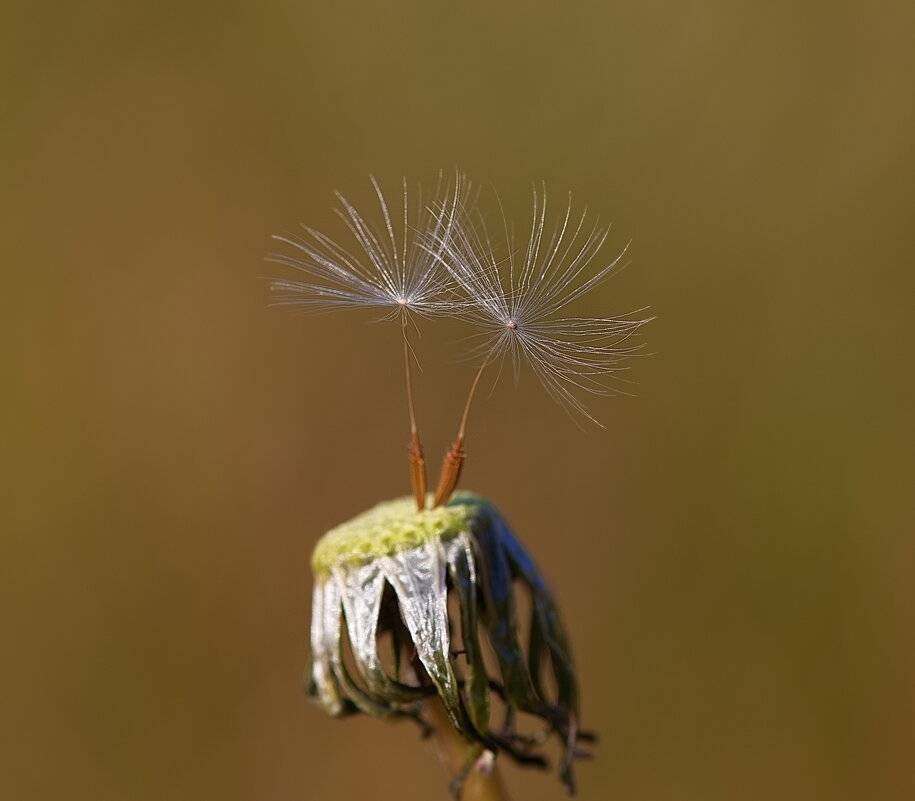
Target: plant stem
(453, 752)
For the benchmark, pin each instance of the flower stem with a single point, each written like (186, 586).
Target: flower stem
(453, 753)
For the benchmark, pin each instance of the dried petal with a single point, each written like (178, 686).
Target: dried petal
(324, 632)
(462, 569)
(418, 578)
(362, 593)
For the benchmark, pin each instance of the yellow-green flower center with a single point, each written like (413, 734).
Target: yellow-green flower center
(390, 527)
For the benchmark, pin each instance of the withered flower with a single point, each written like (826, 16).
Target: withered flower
(389, 573)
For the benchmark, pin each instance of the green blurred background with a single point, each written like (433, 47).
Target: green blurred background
(733, 554)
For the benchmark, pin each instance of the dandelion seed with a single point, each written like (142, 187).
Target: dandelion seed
(516, 302)
(393, 270)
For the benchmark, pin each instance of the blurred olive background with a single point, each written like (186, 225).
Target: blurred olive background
(733, 553)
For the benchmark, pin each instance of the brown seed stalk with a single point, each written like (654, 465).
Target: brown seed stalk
(454, 459)
(450, 472)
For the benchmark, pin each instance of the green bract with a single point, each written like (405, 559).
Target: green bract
(390, 572)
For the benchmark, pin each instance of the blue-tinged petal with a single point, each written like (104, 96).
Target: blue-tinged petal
(500, 615)
(546, 632)
(550, 627)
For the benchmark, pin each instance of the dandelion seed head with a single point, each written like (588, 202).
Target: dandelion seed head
(518, 302)
(385, 266)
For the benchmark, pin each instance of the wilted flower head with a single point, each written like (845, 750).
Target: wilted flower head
(389, 573)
